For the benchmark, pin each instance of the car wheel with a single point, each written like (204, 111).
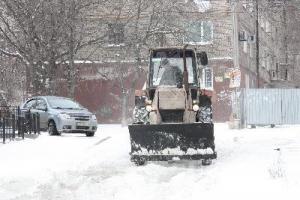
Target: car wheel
(90, 134)
(52, 128)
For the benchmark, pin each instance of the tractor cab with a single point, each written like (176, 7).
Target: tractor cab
(167, 67)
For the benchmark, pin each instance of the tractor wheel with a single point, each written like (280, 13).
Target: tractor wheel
(139, 161)
(204, 114)
(140, 115)
(206, 162)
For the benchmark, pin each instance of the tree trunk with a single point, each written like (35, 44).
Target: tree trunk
(52, 85)
(124, 108)
(71, 69)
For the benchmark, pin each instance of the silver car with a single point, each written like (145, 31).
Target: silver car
(60, 114)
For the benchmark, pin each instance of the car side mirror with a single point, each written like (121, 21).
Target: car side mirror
(202, 58)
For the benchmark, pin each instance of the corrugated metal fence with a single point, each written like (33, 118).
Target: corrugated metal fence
(269, 106)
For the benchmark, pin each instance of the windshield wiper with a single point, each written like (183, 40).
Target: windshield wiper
(74, 108)
(57, 107)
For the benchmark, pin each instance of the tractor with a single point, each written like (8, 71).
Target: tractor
(172, 117)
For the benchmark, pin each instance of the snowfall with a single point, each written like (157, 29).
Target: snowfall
(261, 163)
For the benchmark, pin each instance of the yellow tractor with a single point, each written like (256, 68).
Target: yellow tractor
(172, 118)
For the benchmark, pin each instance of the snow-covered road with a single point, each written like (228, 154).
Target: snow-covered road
(260, 163)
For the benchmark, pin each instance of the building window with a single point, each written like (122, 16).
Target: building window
(273, 74)
(199, 33)
(116, 33)
(207, 78)
(203, 5)
(268, 26)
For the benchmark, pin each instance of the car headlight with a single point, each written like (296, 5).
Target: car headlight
(64, 116)
(94, 117)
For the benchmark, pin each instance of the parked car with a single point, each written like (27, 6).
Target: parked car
(60, 114)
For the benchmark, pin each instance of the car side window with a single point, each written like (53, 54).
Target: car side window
(30, 104)
(41, 103)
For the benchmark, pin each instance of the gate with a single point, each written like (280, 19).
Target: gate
(15, 123)
(269, 106)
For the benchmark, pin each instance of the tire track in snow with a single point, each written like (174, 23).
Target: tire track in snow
(102, 140)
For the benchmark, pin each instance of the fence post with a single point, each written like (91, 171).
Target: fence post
(38, 123)
(18, 121)
(3, 129)
(29, 121)
(13, 125)
(22, 127)
(34, 122)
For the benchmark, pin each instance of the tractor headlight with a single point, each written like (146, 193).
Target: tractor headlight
(195, 107)
(148, 105)
(149, 108)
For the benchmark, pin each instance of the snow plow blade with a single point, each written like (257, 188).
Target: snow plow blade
(163, 142)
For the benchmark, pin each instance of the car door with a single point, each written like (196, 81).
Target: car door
(27, 108)
(41, 108)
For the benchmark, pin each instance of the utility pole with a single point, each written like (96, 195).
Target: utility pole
(234, 5)
(285, 32)
(257, 44)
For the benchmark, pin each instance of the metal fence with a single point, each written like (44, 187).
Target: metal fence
(15, 123)
(269, 106)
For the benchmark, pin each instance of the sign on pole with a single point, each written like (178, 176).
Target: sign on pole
(235, 78)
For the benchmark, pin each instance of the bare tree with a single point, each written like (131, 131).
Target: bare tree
(43, 34)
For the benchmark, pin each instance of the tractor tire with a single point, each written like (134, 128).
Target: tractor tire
(140, 115)
(204, 114)
(139, 162)
(206, 162)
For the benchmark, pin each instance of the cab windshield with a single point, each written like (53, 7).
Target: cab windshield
(166, 68)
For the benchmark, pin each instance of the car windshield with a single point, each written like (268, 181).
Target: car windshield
(64, 103)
